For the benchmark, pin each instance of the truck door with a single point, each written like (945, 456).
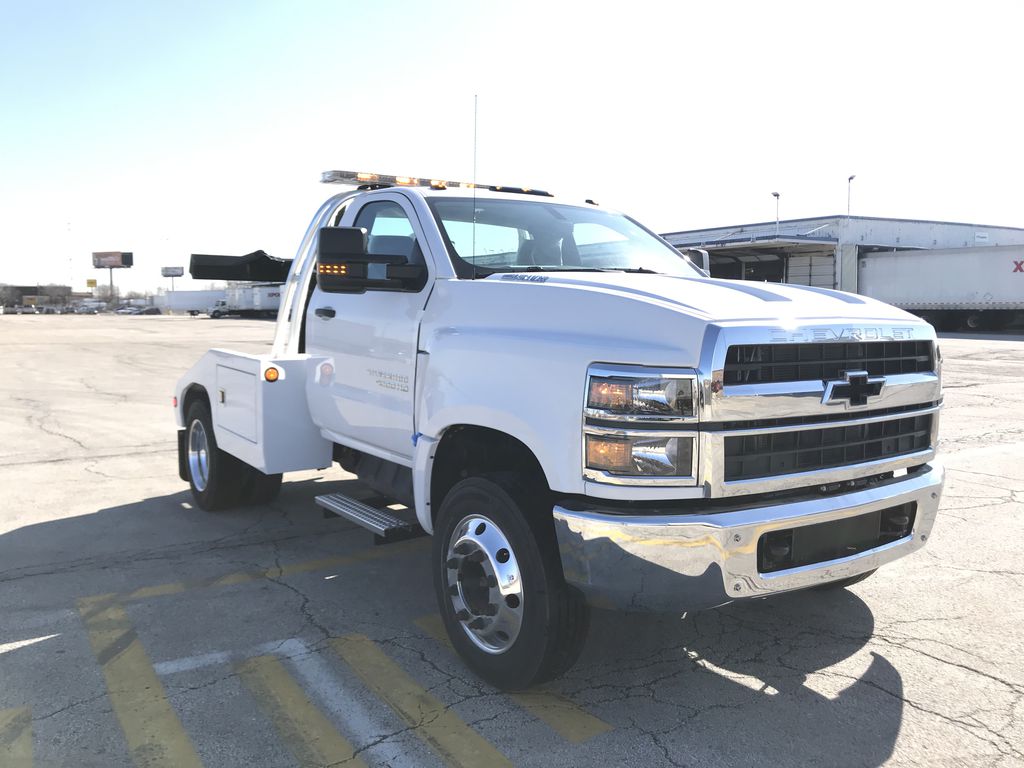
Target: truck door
(364, 399)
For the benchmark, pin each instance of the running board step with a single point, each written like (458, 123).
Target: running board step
(385, 525)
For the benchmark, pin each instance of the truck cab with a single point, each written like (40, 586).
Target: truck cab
(578, 414)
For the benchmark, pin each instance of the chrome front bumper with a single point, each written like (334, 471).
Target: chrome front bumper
(682, 562)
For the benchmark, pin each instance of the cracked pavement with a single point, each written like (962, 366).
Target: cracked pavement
(918, 665)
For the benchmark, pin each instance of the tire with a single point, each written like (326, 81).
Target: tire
(975, 321)
(843, 583)
(258, 488)
(215, 315)
(479, 519)
(214, 476)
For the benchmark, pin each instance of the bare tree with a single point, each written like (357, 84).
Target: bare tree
(9, 295)
(57, 294)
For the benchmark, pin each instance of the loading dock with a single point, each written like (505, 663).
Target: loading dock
(825, 251)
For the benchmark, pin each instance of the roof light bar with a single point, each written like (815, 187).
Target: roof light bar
(361, 179)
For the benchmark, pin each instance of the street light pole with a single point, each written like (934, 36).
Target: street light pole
(776, 196)
(849, 187)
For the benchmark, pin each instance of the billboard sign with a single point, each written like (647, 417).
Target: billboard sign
(112, 259)
(172, 271)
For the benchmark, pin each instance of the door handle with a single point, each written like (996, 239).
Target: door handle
(325, 312)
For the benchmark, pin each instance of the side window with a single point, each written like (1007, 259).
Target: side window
(389, 231)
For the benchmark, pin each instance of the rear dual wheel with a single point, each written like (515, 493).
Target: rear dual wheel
(505, 604)
(218, 480)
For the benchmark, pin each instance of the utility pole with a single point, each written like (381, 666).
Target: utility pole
(776, 196)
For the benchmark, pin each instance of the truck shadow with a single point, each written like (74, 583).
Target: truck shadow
(780, 681)
(783, 681)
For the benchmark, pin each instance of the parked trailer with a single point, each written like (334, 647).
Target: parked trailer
(247, 300)
(973, 288)
(192, 302)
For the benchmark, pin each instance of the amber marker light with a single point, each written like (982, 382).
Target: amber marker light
(609, 454)
(332, 269)
(610, 395)
(271, 374)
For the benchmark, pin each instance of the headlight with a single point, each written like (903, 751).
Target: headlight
(654, 396)
(640, 425)
(641, 456)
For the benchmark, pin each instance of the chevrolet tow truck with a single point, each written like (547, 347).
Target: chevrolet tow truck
(575, 411)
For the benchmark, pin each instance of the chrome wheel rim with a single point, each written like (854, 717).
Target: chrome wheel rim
(198, 455)
(484, 584)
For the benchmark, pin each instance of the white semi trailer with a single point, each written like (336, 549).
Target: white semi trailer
(192, 302)
(248, 301)
(974, 288)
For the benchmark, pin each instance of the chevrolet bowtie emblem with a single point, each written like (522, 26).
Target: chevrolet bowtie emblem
(855, 388)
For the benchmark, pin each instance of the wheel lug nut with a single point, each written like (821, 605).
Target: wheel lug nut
(477, 623)
(462, 615)
(463, 548)
(490, 610)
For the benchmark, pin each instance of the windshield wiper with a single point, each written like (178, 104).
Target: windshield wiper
(556, 268)
(640, 271)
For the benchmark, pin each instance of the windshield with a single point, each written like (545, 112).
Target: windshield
(486, 236)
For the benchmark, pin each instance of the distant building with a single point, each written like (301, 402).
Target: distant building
(826, 251)
(34, 295)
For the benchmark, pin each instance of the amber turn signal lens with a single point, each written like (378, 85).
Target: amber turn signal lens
(612, 455)
(610, 395)
(271, 374)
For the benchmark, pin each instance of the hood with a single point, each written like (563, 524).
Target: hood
(722, 300)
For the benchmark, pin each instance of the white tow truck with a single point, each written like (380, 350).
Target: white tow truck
(577, 413)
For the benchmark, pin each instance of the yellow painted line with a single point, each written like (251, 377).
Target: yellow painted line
(562, 715)
(309, 734)
(442, 729)
(16, 738)
(152, 729)
(244, 577)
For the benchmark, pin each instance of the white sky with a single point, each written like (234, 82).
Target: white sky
(167, 128)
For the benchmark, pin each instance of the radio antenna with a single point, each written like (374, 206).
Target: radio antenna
(475, 98)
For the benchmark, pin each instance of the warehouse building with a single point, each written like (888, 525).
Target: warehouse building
(828, 251)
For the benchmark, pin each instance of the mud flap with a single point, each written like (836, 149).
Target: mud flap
(183, 454)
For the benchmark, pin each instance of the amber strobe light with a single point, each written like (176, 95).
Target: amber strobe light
(271, 374)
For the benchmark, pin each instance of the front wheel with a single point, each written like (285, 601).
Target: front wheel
(505, 604)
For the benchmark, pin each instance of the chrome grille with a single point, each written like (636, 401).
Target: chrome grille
(773, 363)
(771, 454)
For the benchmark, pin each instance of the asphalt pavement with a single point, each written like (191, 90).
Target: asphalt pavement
(138, 630)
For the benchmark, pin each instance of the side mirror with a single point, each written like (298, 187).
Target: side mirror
(343, 265)
(699, 258)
